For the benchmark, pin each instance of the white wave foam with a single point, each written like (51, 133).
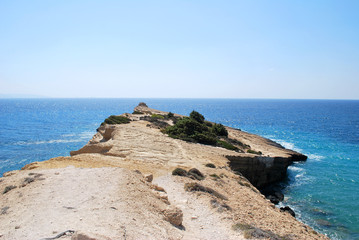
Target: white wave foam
(315, 157)
(49, 141)
(296, 169)
(79, 138)
(87, 135)
(300, 175)
(68, 135)
(302, 179)
(287, 145)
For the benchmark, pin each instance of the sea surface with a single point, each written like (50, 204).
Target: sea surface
(323, 191)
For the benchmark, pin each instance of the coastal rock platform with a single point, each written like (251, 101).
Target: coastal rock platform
(102, 189)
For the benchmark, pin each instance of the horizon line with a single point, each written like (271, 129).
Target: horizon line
(189, 98)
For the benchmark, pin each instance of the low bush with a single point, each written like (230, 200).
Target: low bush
(8, 188)
(137, 112)
(195, 174)
(185, 128)
(254, 152)
(28, 180)
(210, 165)
(197, 116)
(157, 116)
(179, 172)
(250, 231)
(196, 129)
(219, 130)
(116, 120)
(215, 176)
(205, 138)
(170, 115)
(195, 187)
(208, 124)
(226, 145)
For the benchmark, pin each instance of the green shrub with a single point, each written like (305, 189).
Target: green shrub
(208, 124)
(194, 173)
(195, 187)
(226, 145)
(157, 116)
(250, 231)
(170, 115)
(116, 120)
(186, 126)
(254, 152)
(195, 129)
(8, 188)
(215, 176)
(197, 116)
(210, 165)
(219, 130)
(179, 172)
(205, 138)
(137, 112)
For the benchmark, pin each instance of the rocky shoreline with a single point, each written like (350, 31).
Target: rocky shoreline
(222, 203)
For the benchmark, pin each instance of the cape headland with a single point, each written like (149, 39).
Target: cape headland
(154, 175)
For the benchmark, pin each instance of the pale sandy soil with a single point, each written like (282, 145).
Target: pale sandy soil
(109, 202)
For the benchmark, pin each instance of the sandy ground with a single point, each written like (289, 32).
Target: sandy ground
(107, 202)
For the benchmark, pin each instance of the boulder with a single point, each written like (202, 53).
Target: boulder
(288, 210)
(173, 215)
(279, 196)
(149, 178)
(142, 104)
(273, 199)
(87, 236)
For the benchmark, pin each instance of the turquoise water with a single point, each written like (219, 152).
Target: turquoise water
(323, 191)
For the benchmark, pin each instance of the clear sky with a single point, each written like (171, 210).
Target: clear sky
(189, 49)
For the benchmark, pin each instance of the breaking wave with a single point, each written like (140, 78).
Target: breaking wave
(81, 137)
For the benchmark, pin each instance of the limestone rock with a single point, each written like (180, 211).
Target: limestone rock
(261, 171)
(173, 215)
(142, 104)
(158, 188)
(288, 210)
(8, 174)
(87, 236)
(273, 199)
(149, 178)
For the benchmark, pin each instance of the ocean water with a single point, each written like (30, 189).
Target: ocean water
(323, 191)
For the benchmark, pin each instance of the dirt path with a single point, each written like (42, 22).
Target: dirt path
(109, 203)
(200, 220)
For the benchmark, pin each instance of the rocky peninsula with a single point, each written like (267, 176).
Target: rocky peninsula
(140, 177)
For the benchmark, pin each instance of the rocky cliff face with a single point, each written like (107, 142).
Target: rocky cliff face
(259, 170)
(266, 168)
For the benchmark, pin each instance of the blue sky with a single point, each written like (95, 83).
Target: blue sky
(189, 49)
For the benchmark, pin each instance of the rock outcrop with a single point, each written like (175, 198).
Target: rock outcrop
(261, 171)
(120, 186)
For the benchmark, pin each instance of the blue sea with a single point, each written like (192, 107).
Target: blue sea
(323, 191)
